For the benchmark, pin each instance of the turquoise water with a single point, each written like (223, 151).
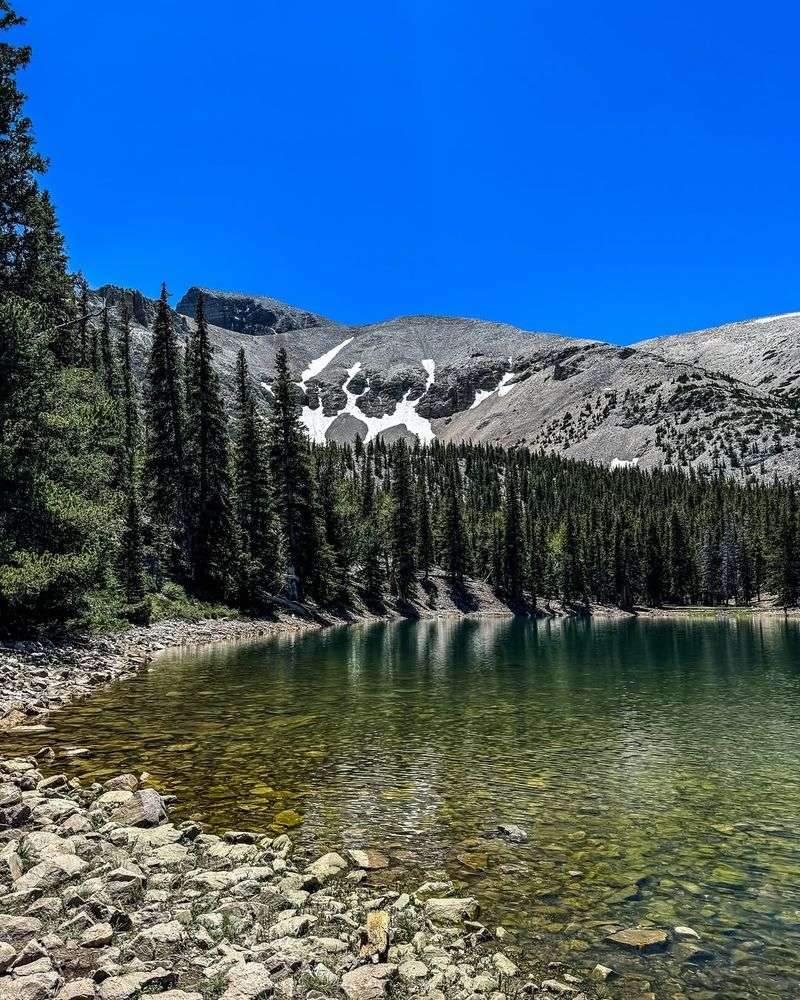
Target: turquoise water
(654, 764)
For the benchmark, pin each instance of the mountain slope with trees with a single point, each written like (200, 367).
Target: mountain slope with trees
(136, 467)
(722, 399)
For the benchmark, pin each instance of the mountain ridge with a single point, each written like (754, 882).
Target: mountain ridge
(724, 398)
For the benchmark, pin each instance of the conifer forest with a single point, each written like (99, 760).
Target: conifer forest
(120, 495)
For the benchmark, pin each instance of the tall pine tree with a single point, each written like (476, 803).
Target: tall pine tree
(211, 536)
(164, 470)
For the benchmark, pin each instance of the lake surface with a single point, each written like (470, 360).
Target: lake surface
(654, 764)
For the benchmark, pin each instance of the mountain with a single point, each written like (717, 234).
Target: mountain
(722, 398)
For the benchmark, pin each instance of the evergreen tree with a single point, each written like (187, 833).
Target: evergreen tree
(425, 545)
(108, 368)
(572, 579)
(309, 559)
(654, 562)
(32, 258)
(58, 514)
(130, 402)
(211, 534)
(786, 566)
(164, 472)
(336, 520)
(512, 538)
(454, 544)
(404, 525)
(132, 571)
(260, 541)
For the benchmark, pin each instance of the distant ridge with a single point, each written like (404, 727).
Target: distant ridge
(723, 399)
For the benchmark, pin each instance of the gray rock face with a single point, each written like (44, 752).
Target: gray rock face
(143, 808)
(251, 314)
(721, 398)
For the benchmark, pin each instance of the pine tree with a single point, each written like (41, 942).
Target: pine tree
(679, 572)
(426, 553)
(130, 401)
(107, 361)
(572, 577)
(164, 472)
(58, 513)
(404, 525)
(211, 535)
(786, 564)
(654, 563)
(308, 559)
(32, 258)
(132, 570)
(82, 345)
(260, 541)
(454, 543)
(337, 526)
(512, 538)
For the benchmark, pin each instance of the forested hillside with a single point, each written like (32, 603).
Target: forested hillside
(117, 503)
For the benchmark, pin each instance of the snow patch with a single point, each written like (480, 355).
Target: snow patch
(320, 364)
(621, 463)
(772, 319)
(502, 388)
(405, 412)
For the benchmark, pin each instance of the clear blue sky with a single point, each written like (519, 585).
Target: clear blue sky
(616, 170)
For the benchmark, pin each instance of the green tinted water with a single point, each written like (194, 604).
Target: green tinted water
(654, 764)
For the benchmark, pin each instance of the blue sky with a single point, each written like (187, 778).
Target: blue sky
(609, 170)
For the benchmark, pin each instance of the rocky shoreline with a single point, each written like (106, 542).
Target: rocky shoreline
(40, 675)
(103, 898)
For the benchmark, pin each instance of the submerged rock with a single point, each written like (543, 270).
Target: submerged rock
(368, 859)
(640, 939)
(512, 832)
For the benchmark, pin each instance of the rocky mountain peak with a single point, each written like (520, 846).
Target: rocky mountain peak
(257, 315)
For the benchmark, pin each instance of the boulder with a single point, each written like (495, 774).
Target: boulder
(452, 910)
(78, 989)
(556, 986)
(18, 927)
(370, 860)
(370, 982)
(512, 832)
(413, 969)
(49, 874)
(640, 939)
(132, 984)
(122, 782)
(248, 981)
(97, 936)
(40, 986)
(327, 867)
(290, 927)
(144, 808)
(160, 939)
(504, 965)
(7, 955)
(10, 795)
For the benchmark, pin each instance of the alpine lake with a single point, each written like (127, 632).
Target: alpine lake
(654, 765)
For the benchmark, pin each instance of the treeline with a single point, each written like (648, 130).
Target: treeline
(113, 494)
